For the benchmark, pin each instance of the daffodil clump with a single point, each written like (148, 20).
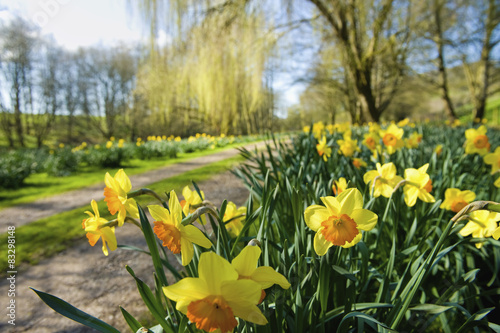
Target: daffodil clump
(386, 227)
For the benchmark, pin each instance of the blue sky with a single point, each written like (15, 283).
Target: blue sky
(81, 23)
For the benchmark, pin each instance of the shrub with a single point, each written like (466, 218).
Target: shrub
(156, 149)
(16, 167)
(62, 162)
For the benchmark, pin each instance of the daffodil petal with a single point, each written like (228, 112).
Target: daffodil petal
(214, 269)
(185, 291)
(159, 213)
(194, 235)
(246, 262)
(314, 215)
(321, 245)
(365, 219)
(175, 208)
(266, 276)
(332, 204)
(123, 180)
(349, 200)
(242, 296)
(496, 233)
(131, 207)
(468, 229)
(411, 195)
(187, 251)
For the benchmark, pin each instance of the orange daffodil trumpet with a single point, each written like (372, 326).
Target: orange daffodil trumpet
(95, 228)
(115, 195)
(383, 180)
(477, 141)
(482, 224)
(175, 236)
(340, 221)
(455, 200)
(417, 185)
(218, 295)
(323, 149)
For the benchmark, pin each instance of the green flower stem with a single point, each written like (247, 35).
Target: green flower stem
(197, 213)
(145, 191)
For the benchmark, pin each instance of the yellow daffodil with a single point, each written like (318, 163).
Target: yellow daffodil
(418, 185)
(115, 196)
(386, 179)
(343, 127)
(95, 230)
(371, 140)
(306, 129)
(455, 200)
(330, 128)
(482, 224)
(339, 186)
(235, 216)
(374, 128)
(358, 163)
(340, 222)
(175, 236)
(392, 138)
(477, 141)
(438, 150)
(217, 296)
(323, 149)
(109, 144)
(414, 140)
(246, 266)
(493, 159)
(318, 129)
(191, 200)
(403, 122)
(348, 146)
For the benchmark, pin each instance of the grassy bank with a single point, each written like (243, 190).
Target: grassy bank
(42, 185)
(45, 237)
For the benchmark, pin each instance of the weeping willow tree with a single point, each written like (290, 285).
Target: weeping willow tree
(213, 71)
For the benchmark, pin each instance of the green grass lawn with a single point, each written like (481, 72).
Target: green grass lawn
(42, 185)
(45, 237)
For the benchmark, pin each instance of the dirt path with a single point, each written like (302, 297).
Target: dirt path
(96, 284)
(26, 213)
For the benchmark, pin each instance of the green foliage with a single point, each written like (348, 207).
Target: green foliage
(62, 162)
(16, 167)
(112, 157)
(156, 149)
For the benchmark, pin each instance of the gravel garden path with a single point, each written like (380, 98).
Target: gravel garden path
(82, 275)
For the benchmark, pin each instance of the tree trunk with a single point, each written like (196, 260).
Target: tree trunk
(443, 85)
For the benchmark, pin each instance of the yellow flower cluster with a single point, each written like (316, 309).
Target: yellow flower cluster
(225, 290)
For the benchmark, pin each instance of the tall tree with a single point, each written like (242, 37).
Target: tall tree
(482, 36)
(105, 86)
(18, 42)
(372, 37)
(47, 96)
(213, 70)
